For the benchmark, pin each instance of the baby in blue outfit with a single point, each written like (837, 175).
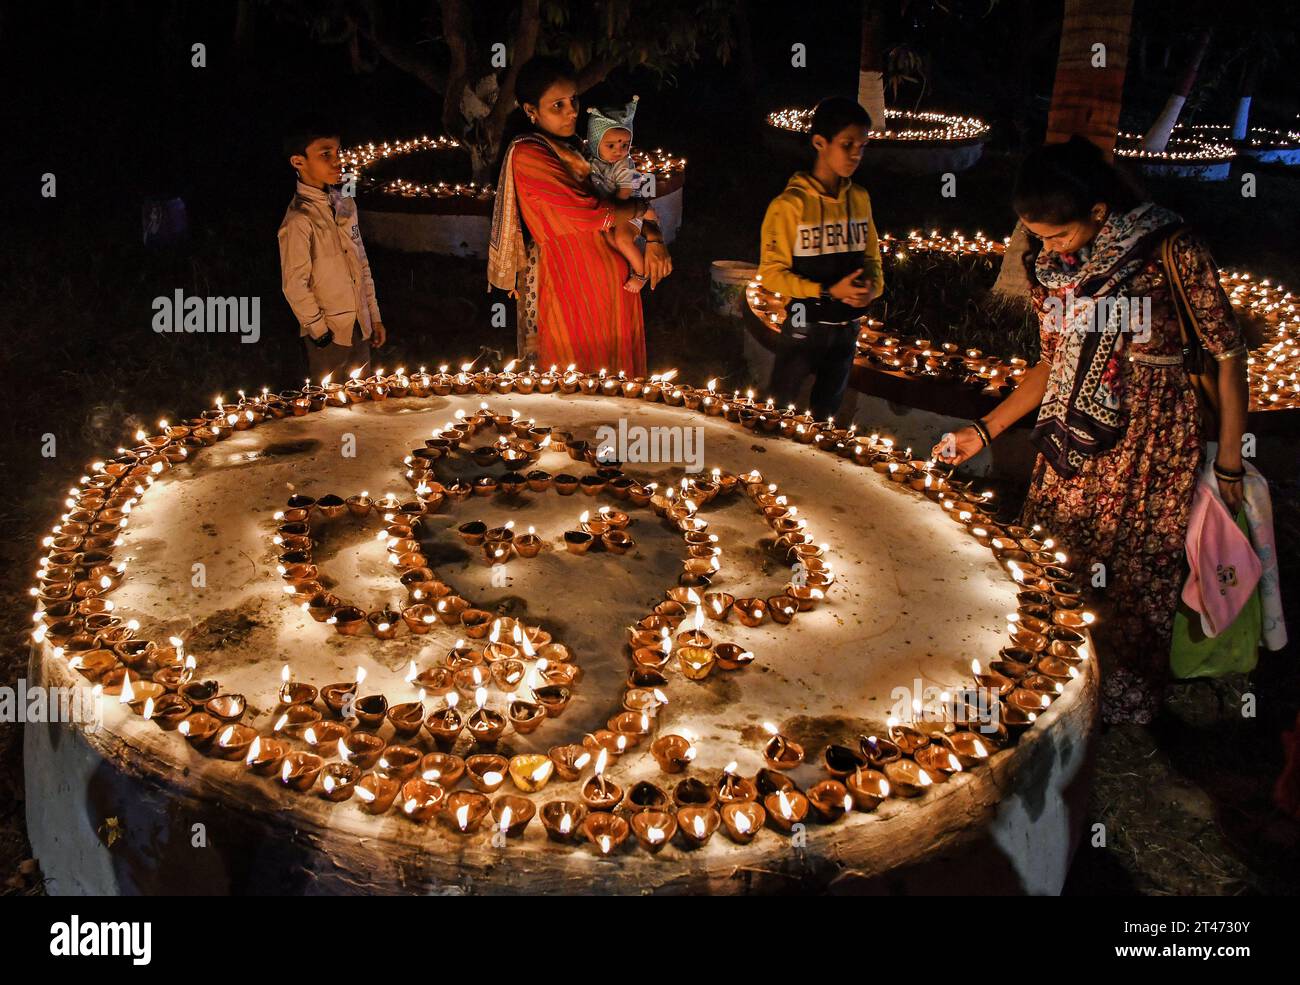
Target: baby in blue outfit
(609, 146)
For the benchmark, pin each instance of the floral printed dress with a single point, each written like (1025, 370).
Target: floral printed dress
(1127, 509)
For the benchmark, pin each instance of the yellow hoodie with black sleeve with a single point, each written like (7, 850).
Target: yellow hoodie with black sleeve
(813, 238)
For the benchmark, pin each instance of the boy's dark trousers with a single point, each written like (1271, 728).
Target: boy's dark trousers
(826, 351)
(335, 360)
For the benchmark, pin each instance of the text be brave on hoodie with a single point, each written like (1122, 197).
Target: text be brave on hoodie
(837, 236)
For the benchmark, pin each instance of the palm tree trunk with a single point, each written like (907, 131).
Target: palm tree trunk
(1086, 99)
(871, 63)
(1157, 138)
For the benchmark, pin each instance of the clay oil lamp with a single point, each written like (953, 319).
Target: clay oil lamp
(525, 716)
(561, 674)
(450, 609)
(938, 761)
(139, 694)
(420, 800)
(406, 718)
(605, 831)
(511, 814)
(908, 737)
(376, 793)
(233, 742)
(528, 545)
(598, 793)
(717, 605)
(485, 725)
(742, 820)
(781, 753)
(692, 792)
(565, 484)
(570, 760)
(94, 665)
(399, 762)
(840, 761)
(466, 809)
(199, 729)
(339, 781)
(968, 747)
(227, 708)
(419, 618)
(867, 788)
(673, 753)
(487, 771)
(785, 809)
(359, 505)
(878, 751)
(1014, 662)
(473, 532)
(829, 800)
(617, 541)
(646, 796)
(441, 768)
(907, 778)
(1027, 701)
(348, 620)
(696, 662)
(476, 622)
(361, 748)
(299, 770)
(1000, 684)
(295, 719)
(750, 611)
(696, 825)
(335, 696)
(1042, 684)
(563, 820)
(643, 701)
(782, 608)
(294, 692)
(169, 710)
(265, 755)
(653, 829)
(1062, 671)
(577, 541)
(631, 724)
(331, 506)
(554, 698)
(530, 772)
(732, 788)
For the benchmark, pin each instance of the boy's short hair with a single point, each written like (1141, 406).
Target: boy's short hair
(301, 133)
(834, 113)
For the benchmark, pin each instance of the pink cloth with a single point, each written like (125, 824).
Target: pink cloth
(1224, 566)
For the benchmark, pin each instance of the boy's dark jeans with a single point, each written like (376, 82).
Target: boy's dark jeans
(827, 352)
(336, 360)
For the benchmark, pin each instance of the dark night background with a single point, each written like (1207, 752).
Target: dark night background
(103, 96)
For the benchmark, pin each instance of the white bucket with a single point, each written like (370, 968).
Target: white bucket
(727, 282)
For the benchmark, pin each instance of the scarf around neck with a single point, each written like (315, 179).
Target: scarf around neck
(1082, 412)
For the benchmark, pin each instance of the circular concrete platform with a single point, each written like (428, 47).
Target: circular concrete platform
(915, 599)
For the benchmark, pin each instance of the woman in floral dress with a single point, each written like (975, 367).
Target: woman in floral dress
(1119, 427)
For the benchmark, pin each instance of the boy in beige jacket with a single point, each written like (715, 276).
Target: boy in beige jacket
(323, 267)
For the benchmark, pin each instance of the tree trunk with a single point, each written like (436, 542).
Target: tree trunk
(871, 63)
(1241, 120)
(1089, 87)
(1157, 138)
(1086, 100)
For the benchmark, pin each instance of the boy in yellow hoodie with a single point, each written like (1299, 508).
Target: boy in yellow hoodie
(820, 250)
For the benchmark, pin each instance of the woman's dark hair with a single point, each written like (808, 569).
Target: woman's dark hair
(535, 76)
(1060, 183)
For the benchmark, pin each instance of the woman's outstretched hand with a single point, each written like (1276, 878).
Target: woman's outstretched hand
(963, 445)
(658, 263)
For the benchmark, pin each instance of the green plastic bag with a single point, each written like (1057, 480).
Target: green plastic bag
(1234, 651)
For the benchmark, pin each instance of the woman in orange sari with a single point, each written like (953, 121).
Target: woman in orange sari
(547, 247)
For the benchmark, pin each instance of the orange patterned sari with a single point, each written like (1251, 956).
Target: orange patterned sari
(584, 316)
